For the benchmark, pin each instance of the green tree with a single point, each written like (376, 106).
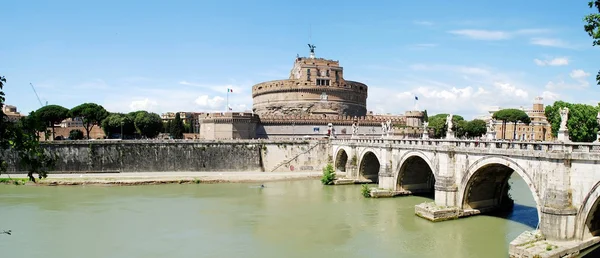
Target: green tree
(476, 128)
(592, 27)
(22, 139)
(461, 128)
(76, 134)
(511, 115)
(51, 115)
(90, 113)
(177, 128)
(581, 123)
(148, 124)
(438, 123)
(425, 117)
(117, 123)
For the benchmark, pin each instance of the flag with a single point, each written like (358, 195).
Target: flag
(230, 108)
(416, 98)
(229, 90)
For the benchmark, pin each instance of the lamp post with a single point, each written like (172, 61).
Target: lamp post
(122, 122)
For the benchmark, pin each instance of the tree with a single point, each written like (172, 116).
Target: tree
(593, 27)
(438, 123)
(581, 123)
(22, 139)
(511, 115)
(117, 123)
(148, 124)
(177, 128)
(76, 134)
(476, 128)
(90, 113)
(51, 115)
(425, 117)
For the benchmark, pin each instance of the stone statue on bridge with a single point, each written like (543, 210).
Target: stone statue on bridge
(490, 126)
(449, 123)
(425, 125)
(388, 127)
(354, 128)
(383, 129)
(564, 116)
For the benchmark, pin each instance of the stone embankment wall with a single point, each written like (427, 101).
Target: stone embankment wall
(165, 156)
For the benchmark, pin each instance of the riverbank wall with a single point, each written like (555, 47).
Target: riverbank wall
(183, 155)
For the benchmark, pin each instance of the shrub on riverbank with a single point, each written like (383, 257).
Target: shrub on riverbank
(328, 175)
(365, 190)
(13, 181)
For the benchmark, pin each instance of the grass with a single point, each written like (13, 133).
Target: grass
(15, 181)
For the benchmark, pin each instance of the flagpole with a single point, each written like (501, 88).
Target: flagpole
(227, 107)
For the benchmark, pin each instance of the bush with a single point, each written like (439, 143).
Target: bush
(365, 190)
(328, 175)
(75, 134)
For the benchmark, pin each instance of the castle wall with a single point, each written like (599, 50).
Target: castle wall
(286, 97)
(170, 155)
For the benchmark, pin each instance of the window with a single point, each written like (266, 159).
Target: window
(337, 76)
(327, 73)
(322, 82)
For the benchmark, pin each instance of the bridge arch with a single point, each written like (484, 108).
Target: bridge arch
(415, 173)
(588, 216)
(484, 186)
(341, 160)
(369, 166)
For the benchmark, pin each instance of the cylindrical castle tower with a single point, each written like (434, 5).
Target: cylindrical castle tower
(315, 86)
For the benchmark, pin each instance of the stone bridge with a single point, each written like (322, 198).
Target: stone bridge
(471, 177)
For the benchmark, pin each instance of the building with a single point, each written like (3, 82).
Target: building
(315, 86)
(11, 113)
(316, 100)
(538, 130)
(230, 125)
(71, 122)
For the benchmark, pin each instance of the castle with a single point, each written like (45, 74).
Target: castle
(314, 101)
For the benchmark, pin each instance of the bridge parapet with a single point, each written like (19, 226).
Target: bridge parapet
(533, 149)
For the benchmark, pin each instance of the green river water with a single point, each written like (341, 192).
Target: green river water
(285, 219)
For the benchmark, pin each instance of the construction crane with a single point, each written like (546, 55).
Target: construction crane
(36, 95)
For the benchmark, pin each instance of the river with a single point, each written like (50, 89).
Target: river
(285, 219)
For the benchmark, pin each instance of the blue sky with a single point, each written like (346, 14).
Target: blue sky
(463, 57)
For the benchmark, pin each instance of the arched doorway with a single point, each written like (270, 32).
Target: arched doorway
(369, 167)
(415, 176)
(340, 160)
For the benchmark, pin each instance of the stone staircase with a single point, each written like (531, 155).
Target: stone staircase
(295, 157)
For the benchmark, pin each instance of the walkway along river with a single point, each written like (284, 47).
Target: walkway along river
(285, 219)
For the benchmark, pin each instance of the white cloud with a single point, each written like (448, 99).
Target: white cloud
(423, 23)
(216, 88)
(205, 101)
(496, 34)
(482, 34)
(550, 42)
(548, 95)
(424, 45)
(144, 104)
(552, 62)
(578, 74)
(510, 90)
(452, 68)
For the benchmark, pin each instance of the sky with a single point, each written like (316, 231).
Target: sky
(461, 57)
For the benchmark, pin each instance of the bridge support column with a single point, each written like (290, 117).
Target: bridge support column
(445, 206)
(386, 177)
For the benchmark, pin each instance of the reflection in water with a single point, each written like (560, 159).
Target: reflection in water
(285, 219)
